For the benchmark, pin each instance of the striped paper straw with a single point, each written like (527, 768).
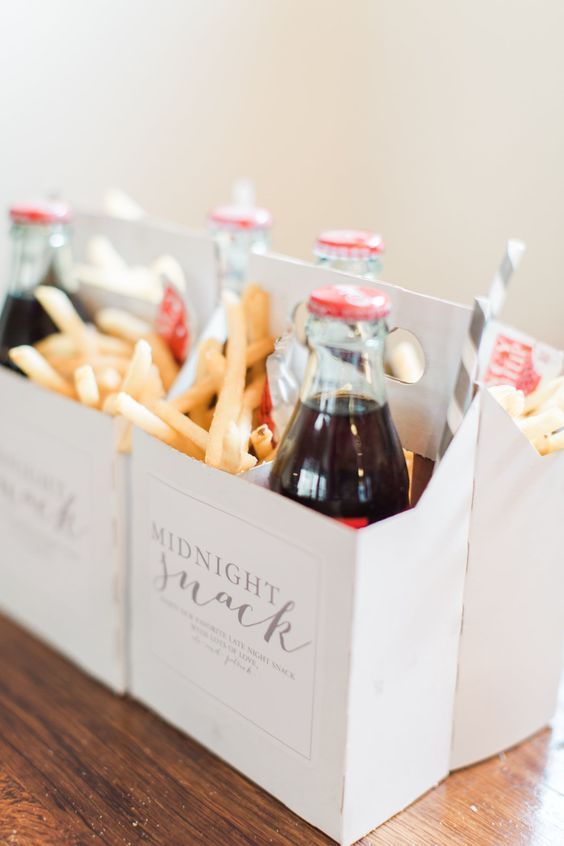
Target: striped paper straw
(484, 310)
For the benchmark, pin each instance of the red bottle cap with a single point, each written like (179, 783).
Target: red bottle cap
(240, 217)
(42, 211)
(349, 302)
(349, 244)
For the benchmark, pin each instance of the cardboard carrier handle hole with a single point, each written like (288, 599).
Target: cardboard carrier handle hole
(404, 359)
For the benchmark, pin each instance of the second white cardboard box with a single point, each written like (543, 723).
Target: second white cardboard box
(318, 660)
(513, 625)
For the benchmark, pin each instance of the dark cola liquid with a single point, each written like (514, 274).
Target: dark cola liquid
(343, 457)
(23, 320)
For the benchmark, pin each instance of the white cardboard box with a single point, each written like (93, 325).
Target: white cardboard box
(63, 487)
(319, 661)
(513, 625)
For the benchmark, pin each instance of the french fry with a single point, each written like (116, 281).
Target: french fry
(408, 455)
(230, 396)
(163, 358)
(556, 400)
(138, 370)
(57, 345)
(144, 419)
(256, 303)
(235, 458)
(258, 350)
(134, 383)
(168, 267)
(554, 443)
(200, 415)
(181, 424)
(86, 386)
(538, 425)
(114, 321)
(203, 391)
(126, 437)
(261, 440)
(64, 315)
(198, 394)
(110, 405)
(232, 449)
(245, 426)
(216, 364)
(108, 345)
(512, 400)
(207, 418)
(154, 388)
(67, 366)
(249, 461)
(38, 369)
(545, 427)
(102, 253)
(109, 379)
(542, 393)
(252, 397)
(209, 345)
(215, 369)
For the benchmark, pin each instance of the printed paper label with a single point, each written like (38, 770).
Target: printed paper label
(45, 507)
(233, 610)
(512, 358)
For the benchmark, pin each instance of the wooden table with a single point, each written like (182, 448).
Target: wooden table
(81, 766)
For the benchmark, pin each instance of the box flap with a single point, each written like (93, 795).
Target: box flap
(407, 618)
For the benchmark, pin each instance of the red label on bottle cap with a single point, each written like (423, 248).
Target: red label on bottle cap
(349, 302)
(172, 323)
(353, 522)
(511, 363)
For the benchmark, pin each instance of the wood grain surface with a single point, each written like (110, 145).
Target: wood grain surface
(80, 766)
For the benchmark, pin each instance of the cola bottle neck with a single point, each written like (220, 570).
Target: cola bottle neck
(346, 359)
(40, 255)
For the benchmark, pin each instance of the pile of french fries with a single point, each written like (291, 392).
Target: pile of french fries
(122, 367)
(94, 364)
(108, 270)
(218, 415)
(539, 415)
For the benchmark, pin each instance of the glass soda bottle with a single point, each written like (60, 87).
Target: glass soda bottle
(41, 255)
(355, 251)
(340, 453)
(239, 229)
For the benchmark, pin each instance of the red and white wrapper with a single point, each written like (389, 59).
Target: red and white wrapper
(173, 323)
(510, 357)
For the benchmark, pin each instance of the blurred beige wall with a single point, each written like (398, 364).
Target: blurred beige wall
(441, 123)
